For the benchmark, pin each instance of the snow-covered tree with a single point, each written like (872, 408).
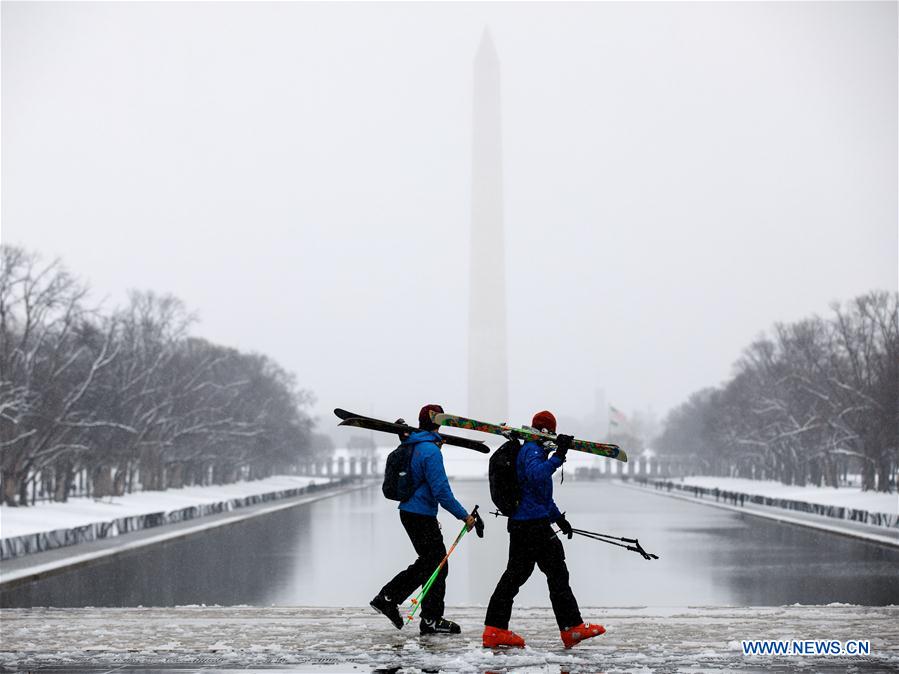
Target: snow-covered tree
(804, 403)
(130, 399)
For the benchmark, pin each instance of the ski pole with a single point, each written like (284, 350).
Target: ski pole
(604, 538)
(595, 534)
(479, 526)
(636, 547)
(416, 601)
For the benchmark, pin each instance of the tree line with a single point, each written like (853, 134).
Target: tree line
(807, 404)
(129, 399)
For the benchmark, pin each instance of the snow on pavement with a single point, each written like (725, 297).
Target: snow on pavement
(50, 516)
(844, 497)
(341, 639)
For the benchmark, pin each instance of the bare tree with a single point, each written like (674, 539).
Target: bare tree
(129, 399)
(806, 402)
(45, 353)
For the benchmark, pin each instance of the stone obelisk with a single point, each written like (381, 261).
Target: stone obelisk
(487, 369)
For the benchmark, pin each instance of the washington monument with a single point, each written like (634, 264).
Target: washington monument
(487, 368)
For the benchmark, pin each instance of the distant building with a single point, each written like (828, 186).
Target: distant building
(488, 395)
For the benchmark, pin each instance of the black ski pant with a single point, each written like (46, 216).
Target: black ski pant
(532, 542)
(424, 532)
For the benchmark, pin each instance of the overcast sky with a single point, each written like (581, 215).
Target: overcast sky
(677, 178)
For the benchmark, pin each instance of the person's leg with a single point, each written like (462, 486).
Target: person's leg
(551, 561)
(572, 628)
(518, 570)
(421, 531)
(432, 552)
(403, 583)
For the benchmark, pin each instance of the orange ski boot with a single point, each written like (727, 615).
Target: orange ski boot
(578, 633)
(494, 637)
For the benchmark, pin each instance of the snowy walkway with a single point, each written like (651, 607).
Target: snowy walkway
(38, 565)
(869, 532)
(47, 516)
(47, 525)
(844, 497)
(355, 639)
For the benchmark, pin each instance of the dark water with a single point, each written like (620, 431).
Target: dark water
(339, 552)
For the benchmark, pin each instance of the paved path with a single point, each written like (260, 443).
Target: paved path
(355, 639)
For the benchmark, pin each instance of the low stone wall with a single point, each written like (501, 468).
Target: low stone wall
(19, 546)
(740, 498)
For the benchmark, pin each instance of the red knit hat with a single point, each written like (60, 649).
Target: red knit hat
(544, 420)
(424, 417)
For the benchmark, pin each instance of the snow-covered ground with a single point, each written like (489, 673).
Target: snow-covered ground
(49, 516)
(355, 639)
(845, 497)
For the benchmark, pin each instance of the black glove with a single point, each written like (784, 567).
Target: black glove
(478, 524)
(564, 527)
(563, 444)
(402, 434)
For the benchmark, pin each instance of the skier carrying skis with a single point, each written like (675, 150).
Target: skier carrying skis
(418, 515)
(531, 541)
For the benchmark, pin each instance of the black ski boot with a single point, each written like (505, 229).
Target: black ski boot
(382, 604)
(438, 626)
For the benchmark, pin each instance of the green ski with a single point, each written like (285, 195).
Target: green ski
(605, 449)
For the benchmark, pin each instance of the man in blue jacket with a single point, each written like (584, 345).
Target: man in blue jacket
(419, 518)
(531, 541)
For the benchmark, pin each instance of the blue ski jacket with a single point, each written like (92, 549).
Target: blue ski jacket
(535, 475)
(430, 476)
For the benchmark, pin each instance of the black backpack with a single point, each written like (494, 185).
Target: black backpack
(504, 488)
(398, 484)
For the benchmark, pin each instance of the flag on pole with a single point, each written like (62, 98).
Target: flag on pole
(617, 420)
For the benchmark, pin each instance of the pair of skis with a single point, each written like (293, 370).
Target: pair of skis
(400, 428)
(606, 449)
(403, 430)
